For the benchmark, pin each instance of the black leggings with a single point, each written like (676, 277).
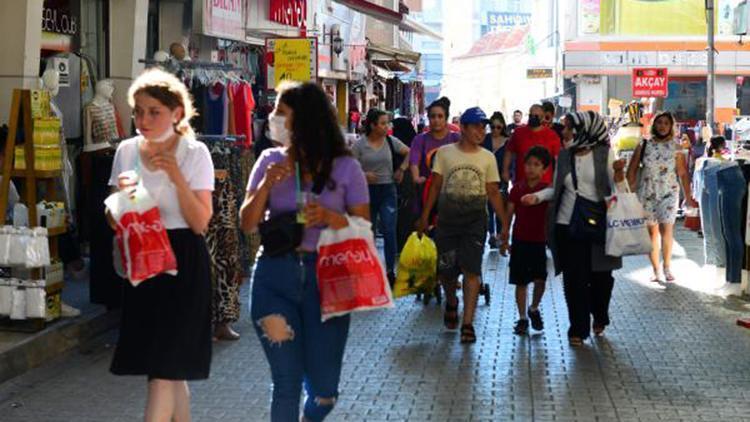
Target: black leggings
(587, 292)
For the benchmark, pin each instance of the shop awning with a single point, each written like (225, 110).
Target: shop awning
(392, 65)
(403, 21)
(385, 53)
(409, 24)
(374, 10)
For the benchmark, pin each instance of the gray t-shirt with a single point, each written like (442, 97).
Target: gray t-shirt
(378, 161)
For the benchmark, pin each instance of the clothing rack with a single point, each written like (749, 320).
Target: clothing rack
(189, 64)
(220, 138)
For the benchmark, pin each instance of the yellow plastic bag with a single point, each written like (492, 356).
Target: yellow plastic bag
(417, 267)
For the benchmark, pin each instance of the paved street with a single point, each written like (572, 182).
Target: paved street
(671, 354)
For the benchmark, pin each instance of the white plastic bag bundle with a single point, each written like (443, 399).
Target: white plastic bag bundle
(19, 238)
(6, 296)
(36, 299)
(18, 305)
(4, 244)
(627, 233)
(37, 249)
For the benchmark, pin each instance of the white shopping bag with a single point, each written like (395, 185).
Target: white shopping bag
(627, 233)
(350, 275)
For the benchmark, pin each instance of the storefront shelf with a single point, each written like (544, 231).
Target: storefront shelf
(56, 231)
(39, 174)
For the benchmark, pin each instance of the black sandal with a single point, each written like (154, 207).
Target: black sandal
(468, 335)
(450, 317)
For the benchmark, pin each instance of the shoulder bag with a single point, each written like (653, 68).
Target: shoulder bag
(282, 233)
(589, 219)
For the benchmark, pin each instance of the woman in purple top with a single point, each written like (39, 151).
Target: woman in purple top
(285, 299)
(425, 143)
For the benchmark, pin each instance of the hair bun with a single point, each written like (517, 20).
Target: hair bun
(443, 100)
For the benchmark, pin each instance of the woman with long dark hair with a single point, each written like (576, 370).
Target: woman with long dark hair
(663, 169)
(378, 153)
(495, 142)
(403, 129)
(314, 177)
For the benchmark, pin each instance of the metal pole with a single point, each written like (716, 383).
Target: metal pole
(711, 77)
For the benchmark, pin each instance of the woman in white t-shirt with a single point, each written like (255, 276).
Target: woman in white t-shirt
(165, 332)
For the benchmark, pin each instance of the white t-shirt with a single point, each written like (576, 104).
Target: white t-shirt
(194, 161)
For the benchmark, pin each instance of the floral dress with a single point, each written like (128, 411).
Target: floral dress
(658, 189)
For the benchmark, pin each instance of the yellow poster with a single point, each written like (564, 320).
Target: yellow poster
(294, 59)
(40, 104)
(653, 17)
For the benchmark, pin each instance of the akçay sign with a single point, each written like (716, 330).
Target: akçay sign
(650, 82)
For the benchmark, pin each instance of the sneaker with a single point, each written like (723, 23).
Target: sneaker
(69, 311)
(522, 327)
(536, 319)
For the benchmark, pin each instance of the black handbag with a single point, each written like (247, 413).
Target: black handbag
(589, 219)
(281, 234)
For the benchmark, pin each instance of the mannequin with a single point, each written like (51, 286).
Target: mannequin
(100, 120)
(50, 82)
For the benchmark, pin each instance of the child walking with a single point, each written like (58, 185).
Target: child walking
(528, 256)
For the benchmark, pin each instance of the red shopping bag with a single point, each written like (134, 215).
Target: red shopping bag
(350, 275)
(141, 236)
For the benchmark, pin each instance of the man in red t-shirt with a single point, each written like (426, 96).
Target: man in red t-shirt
(526, 137)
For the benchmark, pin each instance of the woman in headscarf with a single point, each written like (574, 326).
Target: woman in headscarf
(586, 171)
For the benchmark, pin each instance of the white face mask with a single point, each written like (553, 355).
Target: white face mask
(164, 137)
(279, 132)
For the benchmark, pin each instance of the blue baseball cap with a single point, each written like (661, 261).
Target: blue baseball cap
(474, 115)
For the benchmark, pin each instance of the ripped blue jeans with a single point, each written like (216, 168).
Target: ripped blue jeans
(384, 215)
(300, 349)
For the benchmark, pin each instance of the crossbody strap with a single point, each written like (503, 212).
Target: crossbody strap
(573, 173)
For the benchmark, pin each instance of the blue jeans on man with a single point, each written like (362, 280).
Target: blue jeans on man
(384, 215)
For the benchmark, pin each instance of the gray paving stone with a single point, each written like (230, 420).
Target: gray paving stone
(670, 355)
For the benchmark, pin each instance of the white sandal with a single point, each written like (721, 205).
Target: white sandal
(668, 275)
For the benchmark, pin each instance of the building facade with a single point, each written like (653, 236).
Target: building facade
(607, 39)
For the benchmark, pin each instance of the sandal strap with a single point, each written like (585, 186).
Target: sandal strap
(468, 335)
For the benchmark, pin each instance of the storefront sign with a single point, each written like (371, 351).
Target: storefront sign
(224, 19)
(539, 73)
(62, 66)
(650, 82)
(502, 21)
(288, 12)
(58, 18)
(294, 59)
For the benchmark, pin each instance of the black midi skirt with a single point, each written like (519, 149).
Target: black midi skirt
(165, 330)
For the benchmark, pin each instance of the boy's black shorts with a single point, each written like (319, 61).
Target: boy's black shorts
(528, 262)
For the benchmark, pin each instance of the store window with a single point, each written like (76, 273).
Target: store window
(94, 34)
(651, 18)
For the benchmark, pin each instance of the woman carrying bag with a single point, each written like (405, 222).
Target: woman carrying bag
(585, 175)
(663, 168)
(165, 331)
(310, 183)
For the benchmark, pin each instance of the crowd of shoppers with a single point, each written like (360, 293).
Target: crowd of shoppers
(520, 188)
